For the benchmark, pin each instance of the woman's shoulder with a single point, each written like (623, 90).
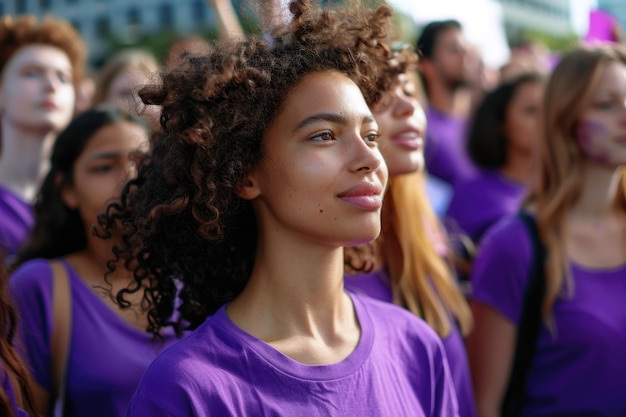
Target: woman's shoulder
(32, 273)
(502, 266)
(404, 323)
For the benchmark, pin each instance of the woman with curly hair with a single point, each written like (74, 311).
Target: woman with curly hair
(267, 166)
(40, 66)
(108, 348)
(16, 398)
(578, 201)
(407, 263)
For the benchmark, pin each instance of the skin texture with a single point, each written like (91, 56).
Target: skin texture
(402, 125)
(322, 144)
(601, 132)
(37, 94)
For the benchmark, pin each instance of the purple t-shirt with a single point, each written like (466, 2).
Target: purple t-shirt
(580, 370)
(16, 220)
(107, 355)
(376, 285)
(445, 151)
(397, 369)
(481, 201)
(7, 388)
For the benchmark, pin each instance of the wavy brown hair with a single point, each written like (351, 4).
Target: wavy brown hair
(184, 226)
(560, 169)
(10, 361)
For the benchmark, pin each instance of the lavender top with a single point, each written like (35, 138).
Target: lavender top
(7, 388)
(107, 355)
(376, 285)
(397, 369)
(479, 202)
(580, 369)
(16, 220)
(445, 152)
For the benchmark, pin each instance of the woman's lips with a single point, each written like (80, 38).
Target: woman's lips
(366, 196)
(410, 140)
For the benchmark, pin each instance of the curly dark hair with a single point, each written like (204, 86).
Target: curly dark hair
(184, 226)
(58, 229)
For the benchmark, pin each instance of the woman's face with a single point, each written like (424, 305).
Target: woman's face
(123, 93)
(521, 126)
(37, 92)
(103, 168)
(402, 125)
(601, 130)
(322, 176)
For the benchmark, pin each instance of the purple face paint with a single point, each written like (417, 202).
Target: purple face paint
(593, 140)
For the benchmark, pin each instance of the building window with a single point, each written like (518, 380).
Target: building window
(133, 16)
(103, 26)
(20, 6)
(166, 15)
(199, 12)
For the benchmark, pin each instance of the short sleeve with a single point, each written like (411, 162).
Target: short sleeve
(31, 292)
(501, 267)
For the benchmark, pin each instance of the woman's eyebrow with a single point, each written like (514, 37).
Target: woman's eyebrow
(330, 117)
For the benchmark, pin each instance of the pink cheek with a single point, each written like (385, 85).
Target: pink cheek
(590, 136)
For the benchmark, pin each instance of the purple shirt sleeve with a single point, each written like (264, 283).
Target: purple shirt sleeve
(502, 266)
(31, 290)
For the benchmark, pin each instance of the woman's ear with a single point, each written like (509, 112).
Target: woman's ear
(248, 187)
(68, 192)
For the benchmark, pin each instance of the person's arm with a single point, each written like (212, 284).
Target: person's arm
(490, 348)
(227, 20)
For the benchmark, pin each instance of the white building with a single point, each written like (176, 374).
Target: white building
(547, 16)
(98, 20)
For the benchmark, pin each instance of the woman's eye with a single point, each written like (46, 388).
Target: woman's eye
(100, 169)
(31, 73)
(604, 105)
(372, 137)
(323, 136)
(64, 79)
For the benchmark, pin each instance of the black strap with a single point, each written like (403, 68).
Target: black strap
(530, 322)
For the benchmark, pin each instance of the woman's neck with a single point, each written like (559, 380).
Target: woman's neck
(24, 160)
(598, 193)
(518, 168)
(295, 302)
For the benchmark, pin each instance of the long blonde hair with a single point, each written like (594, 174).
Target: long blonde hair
(560, 165)
(421, 280)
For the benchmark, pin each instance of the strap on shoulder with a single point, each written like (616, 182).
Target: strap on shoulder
(61, 328)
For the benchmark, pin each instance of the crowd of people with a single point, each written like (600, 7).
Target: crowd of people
(318, 220)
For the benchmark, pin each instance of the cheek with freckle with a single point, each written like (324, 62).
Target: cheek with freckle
(593, 139)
